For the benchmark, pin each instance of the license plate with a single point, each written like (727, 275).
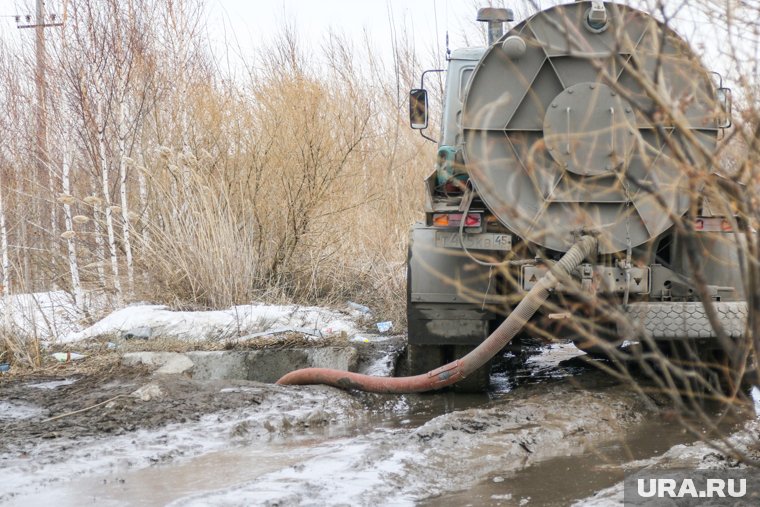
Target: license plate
(482, 241)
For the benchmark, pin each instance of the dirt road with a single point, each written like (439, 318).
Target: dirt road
(169, 439)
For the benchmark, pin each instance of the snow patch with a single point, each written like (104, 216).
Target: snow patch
(54, 317)
(43, 315)
(53, 384)
(232, 323)
(15, 411)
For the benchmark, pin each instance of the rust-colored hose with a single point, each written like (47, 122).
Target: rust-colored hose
(453, 372)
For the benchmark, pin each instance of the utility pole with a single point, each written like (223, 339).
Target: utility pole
(41, 21)
(41, 157)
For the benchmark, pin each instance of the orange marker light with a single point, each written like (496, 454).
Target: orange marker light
(455, 219)
(441, 220)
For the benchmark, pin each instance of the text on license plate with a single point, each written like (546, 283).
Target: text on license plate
(483, 241)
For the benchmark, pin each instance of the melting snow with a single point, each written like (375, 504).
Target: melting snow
(14, 410)
(237, 321)
(44, 315)
(53, 316)
(53, 384)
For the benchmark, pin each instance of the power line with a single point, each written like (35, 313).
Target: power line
(40, 20)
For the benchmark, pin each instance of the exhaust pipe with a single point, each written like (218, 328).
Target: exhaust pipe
(453, 372)
(495, 18)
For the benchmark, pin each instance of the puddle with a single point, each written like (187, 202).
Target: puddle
(561, 481)
(160, 485)
(53, 384)
(15, 411)
(549, 363)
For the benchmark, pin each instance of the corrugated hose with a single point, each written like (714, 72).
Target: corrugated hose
(455, 371)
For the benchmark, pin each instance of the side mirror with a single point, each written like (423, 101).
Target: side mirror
(725, 102)
(418, 108)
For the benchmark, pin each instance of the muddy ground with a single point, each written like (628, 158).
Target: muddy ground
(170, 439)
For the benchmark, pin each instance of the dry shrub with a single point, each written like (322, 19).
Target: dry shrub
(300, 187)
(17, 347)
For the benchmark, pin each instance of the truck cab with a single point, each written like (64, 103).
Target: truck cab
(446, 289)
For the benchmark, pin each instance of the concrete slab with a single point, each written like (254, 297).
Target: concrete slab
(270, 364)
(266, 365)
(167, 362)
(219, 364)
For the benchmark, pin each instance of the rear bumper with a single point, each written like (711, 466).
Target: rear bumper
(440, 324)
(675, 320)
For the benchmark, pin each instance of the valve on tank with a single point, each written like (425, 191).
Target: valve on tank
(596, 17)
(495, 19)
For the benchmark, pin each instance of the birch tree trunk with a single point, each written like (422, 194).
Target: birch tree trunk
(107, 201)
(144, 215)
(53, 225)
(73, 265)
(24, 241)
(100, 250)
(123, 192)
(6, 264)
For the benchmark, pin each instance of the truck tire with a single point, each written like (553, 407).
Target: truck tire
(479, 380)
(419, 359)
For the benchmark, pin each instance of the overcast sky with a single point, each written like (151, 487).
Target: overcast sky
(426, 21)
(249, 23)
(244, 26)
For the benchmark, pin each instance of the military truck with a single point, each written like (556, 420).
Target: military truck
(584, 118)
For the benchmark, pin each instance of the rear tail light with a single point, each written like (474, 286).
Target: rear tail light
(712, 224)
(472, 221)
(441, 220)
(455, 219)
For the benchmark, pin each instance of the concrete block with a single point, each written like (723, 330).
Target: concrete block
(266, 365)
(270, 365)
(219, 364)
(167, 362)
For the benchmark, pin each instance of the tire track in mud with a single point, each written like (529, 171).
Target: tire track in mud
(240, 442)
(448, 453)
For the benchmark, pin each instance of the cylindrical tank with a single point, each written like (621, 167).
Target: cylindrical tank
(558, 126)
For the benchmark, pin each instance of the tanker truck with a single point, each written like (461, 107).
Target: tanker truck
(591, 118)
(572, 198)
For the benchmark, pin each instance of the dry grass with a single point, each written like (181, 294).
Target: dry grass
(295, 183)
(98, 363)
(304, 192)
(100, 358)
(20, 348)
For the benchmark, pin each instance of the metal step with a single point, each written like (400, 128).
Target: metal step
(675, 320)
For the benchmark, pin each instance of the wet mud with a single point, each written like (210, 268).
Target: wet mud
(553, 432)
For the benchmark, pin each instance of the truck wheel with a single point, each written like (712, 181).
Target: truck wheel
(668, 320)
(711, 368)
(593, 346)
(420, 359)
(479, 380)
